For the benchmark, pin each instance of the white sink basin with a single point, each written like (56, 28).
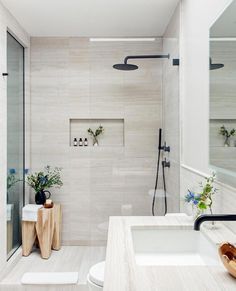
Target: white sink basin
(173, 247)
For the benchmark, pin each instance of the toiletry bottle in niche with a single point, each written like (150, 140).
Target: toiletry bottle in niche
(85, 142)
(80, 142)
(75, 143)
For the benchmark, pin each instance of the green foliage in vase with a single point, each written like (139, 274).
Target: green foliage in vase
(97, 132)
(203, 199)
(46, 179)
(223, 131)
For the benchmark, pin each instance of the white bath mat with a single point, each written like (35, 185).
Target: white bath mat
(49, 278)
(176, 214)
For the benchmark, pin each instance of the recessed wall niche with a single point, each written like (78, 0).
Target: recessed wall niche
(113, 134)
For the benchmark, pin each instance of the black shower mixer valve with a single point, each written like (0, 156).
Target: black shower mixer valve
(165, 163)
(165, 148)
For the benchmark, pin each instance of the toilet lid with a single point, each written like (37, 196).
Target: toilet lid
(96, 274)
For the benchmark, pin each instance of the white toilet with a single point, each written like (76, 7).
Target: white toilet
(95, 278)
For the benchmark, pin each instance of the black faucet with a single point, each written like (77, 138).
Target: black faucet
(213, 217)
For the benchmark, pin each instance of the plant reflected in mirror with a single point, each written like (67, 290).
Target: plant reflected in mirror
(227, 134)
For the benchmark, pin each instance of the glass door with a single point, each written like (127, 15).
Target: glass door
(15, 142)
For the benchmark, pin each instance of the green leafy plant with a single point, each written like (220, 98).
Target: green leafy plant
(46, 179)
(227, 134)
(223, 131)
(203, 199)
(95, 134)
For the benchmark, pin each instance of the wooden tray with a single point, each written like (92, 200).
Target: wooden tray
(227, 254)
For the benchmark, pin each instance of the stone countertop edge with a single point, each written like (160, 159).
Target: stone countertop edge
(123, 274)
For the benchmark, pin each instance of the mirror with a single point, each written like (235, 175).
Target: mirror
(222, 68)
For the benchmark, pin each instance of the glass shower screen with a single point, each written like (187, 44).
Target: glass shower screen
(15, 142)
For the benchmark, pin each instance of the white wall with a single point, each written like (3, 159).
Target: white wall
(197, 17)
(7, 22)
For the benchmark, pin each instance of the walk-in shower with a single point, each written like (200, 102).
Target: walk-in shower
(165, 164)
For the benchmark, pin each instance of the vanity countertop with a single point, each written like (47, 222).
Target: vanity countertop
(123, 274)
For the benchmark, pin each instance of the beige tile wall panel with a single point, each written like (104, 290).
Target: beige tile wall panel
(74, 78)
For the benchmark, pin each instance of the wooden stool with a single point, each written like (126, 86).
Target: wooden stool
(47, 230)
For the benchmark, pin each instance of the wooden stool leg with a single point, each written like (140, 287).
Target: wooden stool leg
(45, 229)
(28, 237)
(56, 242)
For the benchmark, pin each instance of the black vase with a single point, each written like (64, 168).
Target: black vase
(40, 197)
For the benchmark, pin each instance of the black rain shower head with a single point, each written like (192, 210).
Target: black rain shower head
(125, 67)
(215, 66)
(131, 67)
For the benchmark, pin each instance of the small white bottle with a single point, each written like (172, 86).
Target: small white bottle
(85, 142)
(80, 142)
(75, 143)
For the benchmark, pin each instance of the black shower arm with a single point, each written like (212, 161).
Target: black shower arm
(146, 57)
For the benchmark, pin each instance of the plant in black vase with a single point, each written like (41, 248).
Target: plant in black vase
(43, 180)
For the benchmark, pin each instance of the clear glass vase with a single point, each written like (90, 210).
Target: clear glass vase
(197, 212)
(95, 142)
(227, 142)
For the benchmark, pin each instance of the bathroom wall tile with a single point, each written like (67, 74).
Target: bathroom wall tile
(73, 78)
